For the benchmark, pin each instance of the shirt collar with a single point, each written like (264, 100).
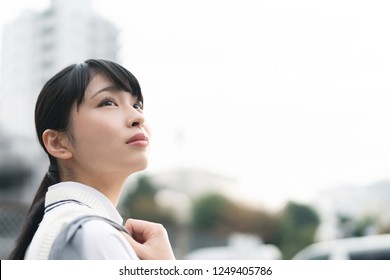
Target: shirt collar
(84, 194)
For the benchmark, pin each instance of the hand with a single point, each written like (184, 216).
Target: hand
(149, 240)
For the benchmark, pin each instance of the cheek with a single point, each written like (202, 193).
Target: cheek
(148, 130)
(93, 132)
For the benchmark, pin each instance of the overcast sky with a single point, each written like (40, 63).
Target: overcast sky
(288, 97)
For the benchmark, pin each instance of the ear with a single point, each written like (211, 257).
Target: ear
(57, 144)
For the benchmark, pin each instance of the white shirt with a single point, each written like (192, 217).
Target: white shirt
(95, 240)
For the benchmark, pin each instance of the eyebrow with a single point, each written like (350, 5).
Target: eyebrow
(110, 88)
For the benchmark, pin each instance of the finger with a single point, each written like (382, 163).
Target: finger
(143, 229)
(138, 225)
(138, 229)
(140, 238)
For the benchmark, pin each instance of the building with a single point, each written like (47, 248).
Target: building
(346, 209)
(38, 44)
(194, 182)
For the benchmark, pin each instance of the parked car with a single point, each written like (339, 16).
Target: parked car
(239, 247)
(374, 247)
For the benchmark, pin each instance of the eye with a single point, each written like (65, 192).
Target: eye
(108, 102)
(138, 106)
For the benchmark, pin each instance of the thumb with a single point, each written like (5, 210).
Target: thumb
(134, 244)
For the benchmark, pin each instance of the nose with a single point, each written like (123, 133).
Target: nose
(135, 118)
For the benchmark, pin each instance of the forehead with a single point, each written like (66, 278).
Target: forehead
(98, 81)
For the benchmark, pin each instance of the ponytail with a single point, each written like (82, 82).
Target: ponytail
(35, 214)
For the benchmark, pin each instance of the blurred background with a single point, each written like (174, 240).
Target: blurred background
(270, 118)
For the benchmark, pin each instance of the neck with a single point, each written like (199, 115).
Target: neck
(103, 183)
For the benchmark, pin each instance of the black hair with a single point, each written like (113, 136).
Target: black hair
(52, 111)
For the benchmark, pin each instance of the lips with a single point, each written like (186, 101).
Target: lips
(138, 138)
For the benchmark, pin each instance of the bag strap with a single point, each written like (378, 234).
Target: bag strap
(70, 229)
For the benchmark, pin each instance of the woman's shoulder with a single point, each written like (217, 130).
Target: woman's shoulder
(93, 237)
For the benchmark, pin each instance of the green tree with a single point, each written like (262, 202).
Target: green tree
(298, 224)
(355, 226)
(210, 212)
(141, 203)
(214, 212)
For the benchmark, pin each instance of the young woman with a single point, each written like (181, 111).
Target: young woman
(89, 120)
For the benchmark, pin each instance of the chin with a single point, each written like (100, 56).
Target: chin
(139, 165)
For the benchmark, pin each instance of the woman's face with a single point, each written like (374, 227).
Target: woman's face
(108, 132)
